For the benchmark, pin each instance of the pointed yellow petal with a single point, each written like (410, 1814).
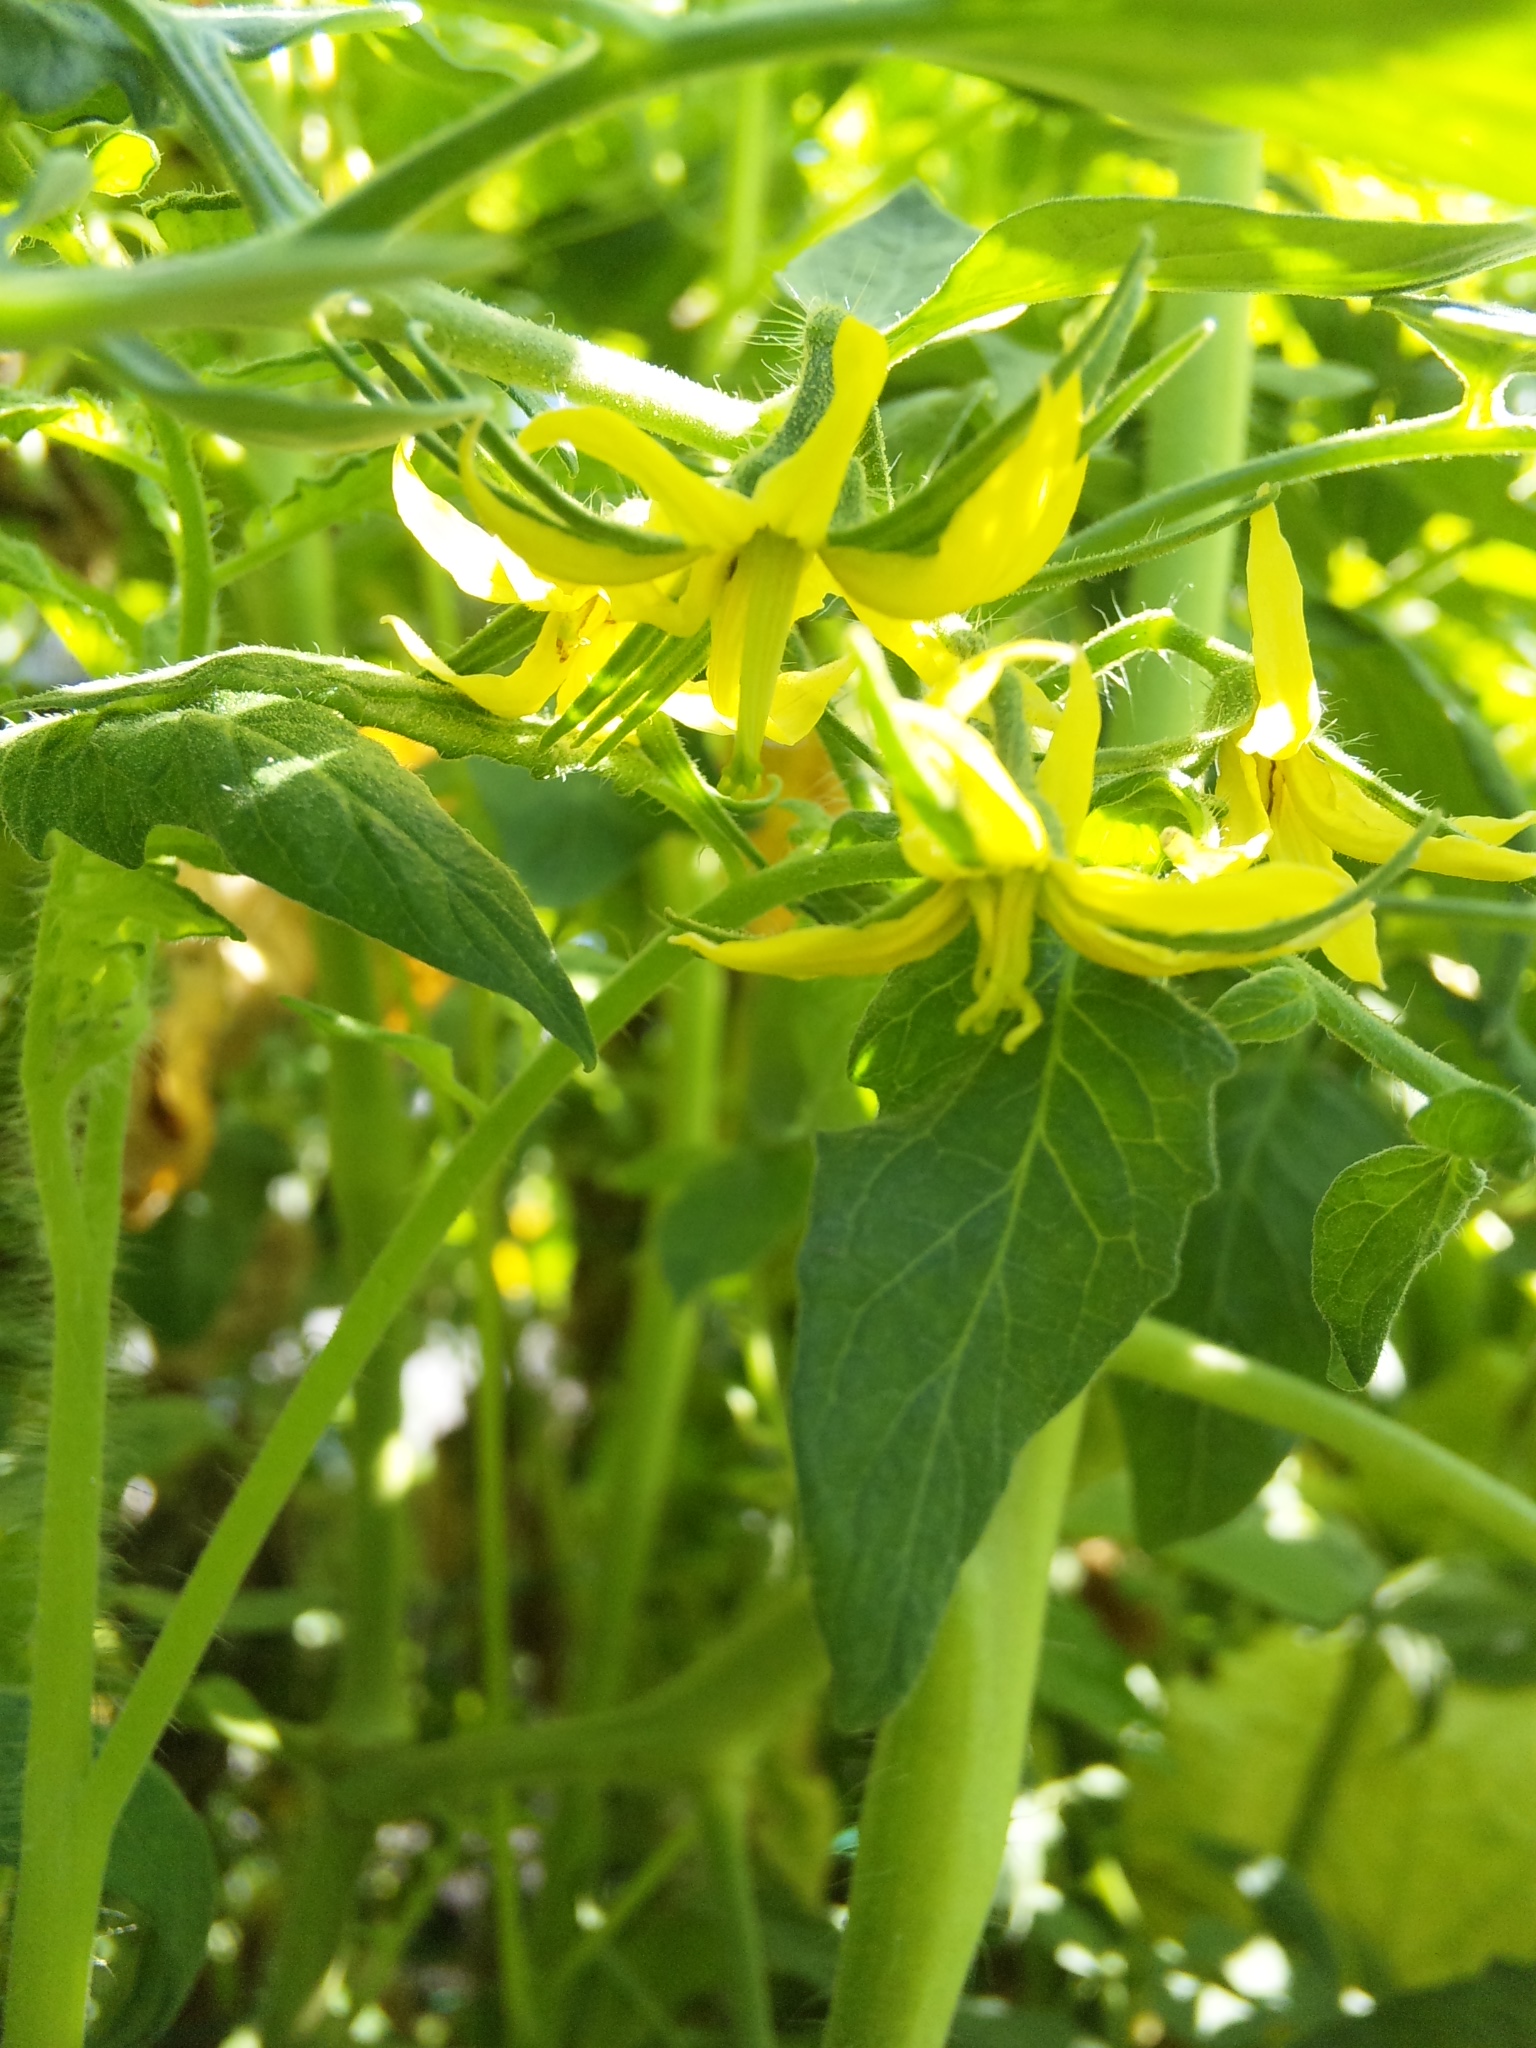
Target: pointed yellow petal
(816, 950)
(696, 710)
(480, 564)
(1005, 532)
(563, 557)
(1339, 811)
(1352, 948)
(1289, 706)
(920, 643)
(800, 696)
(1473, 861)
(1065, 776)
(1239, 899)
(1238, 788)
(513, 696)
(705, 513)
(1494, 831)
(963, 772)
(798, 496)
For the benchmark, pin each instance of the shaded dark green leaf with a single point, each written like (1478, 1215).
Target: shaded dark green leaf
(1285, 1128)
(1483, 1615)
(65, 52)
(1497, 2007)
(732, 1212)
(970, 1262)
(293, 797)
(1318, 1575)
(1477, 1123)
(567, 838)
(1082, 1673)
(1381, 1220)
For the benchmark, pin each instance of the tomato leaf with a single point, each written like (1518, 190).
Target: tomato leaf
(971, 1260)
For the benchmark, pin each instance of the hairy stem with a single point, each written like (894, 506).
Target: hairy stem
(63, 1847)
(946, 1769)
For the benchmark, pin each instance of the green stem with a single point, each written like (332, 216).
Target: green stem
(723, 1825)
(1185, 1364)
(63, 1848)
(711, 1718)
(1376, 1041)
(947, 1767)
(1326, 1765)
(514, 1970)
(1196, 424)
(370, 1174)
(379, 1299)
(664, 1332)
(196, 631)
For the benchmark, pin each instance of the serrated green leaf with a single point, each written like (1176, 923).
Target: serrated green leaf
(885, 265)
(731, 1213)
(1066, 248)
(1266, 1008)
(354, 487)
(61, 597)
(1477, 1123)
(937, 1331)
(1285, 1129)
(160, 1874)
(429, 1056)
(1381, 1220)
(294, 797)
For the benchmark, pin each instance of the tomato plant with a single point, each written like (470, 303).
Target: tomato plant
(767, 1023)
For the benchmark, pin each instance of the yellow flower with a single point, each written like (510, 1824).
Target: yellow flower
(1289, 792)
(1001, 858)
(579, 632)
(753, 564)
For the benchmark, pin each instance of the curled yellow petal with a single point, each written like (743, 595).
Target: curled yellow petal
(809, 953)
(798, 496)
(480, 564)
(1239, 791)
(1352, 946)
(920, 643)
(1001, 535)
(565, 558)
(1065, 776)
(800, 696)
(1238, 899)
(707, 514)
(1494, 831)
(1474, 861)
(965, 776)
(1345, 818)
(1289, 706)
(510, 696)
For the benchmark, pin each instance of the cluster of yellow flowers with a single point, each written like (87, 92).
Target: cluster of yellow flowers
(1263, 881)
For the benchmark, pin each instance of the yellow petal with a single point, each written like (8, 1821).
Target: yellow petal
(1239, 899)
(1008, 528)
(1345, 818)
(1005, 923)
(800, 696)
(1238, 789)
(966, 776)
(1289, 706)
(919, 642)
(508, 696)
(823, 949)
(708, 514)
(564, 557)
(480, 564)
(677, 605)
(978, 678)
(798, 496)
(1065, 776)
(1495, 831)
(1352, 948)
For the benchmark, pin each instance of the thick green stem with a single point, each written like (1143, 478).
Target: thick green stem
(1185, 1364)
(63, 1849)
(723, 1825)
(196, 630)
(514, 1970)
(1196, 425)
(946, 1769)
